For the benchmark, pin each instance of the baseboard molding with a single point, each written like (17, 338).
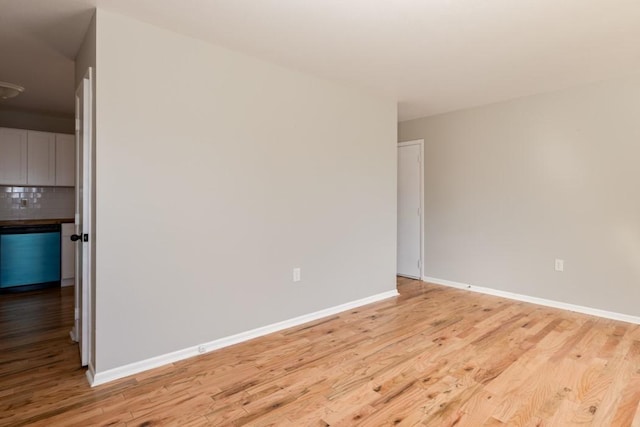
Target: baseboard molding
(535, 300)
(91, 374)
(98, 378)
(67, 282)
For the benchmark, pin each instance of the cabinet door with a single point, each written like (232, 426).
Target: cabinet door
(68, 255)
(41, 158)
(13, 156)
(65, 160)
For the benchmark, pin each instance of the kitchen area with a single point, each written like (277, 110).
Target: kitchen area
(45, 306)
(38, 99)
(37, 209)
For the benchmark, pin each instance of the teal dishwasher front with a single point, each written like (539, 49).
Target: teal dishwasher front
(29, 257)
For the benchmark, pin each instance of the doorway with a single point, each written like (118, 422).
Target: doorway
(410, 209)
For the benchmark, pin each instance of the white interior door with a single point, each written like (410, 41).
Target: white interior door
(82, 327)
(410, 209)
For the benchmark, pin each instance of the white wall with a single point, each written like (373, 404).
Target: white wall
(236, 171)
(512, 186)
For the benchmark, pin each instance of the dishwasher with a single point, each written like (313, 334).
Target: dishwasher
(29, 257)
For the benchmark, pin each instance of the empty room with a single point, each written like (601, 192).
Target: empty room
(319, 213)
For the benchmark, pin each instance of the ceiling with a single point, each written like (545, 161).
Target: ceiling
(38, 44)
(432, 56)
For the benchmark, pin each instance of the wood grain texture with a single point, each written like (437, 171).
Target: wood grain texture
(433, 356)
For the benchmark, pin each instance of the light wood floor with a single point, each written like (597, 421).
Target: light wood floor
(433, 356)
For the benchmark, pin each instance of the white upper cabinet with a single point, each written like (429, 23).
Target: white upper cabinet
(41, 158)
(29, 157)
(13, 156)
(65, 160)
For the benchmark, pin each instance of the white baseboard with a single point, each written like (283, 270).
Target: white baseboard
(91, 374)
(67, 282)
(97, 378)
(535, 300)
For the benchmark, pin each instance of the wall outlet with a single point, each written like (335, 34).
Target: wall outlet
(296, 274)
(559, 264)
(24, 203)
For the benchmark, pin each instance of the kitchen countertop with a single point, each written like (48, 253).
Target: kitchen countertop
(36, 221)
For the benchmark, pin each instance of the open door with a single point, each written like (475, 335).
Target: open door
(410, 209)
(82, 330)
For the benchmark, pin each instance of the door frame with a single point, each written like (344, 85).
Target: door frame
(83, 331)
(420, 143)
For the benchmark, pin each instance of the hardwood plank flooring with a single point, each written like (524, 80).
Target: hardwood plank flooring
(433, 356)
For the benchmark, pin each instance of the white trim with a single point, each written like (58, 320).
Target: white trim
(83, 329)
(91, 374)
(98, 378)
(412, 142)
(535, 300)
(87, 227)
(419, 142)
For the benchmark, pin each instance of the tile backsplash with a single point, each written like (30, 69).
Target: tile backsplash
(41, 202)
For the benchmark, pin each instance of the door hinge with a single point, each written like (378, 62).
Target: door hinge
(418, 211)
(77, 125)
(418, 263)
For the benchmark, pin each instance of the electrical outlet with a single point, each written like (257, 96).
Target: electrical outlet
(559, 264)
(296, 274)
(24, 203)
